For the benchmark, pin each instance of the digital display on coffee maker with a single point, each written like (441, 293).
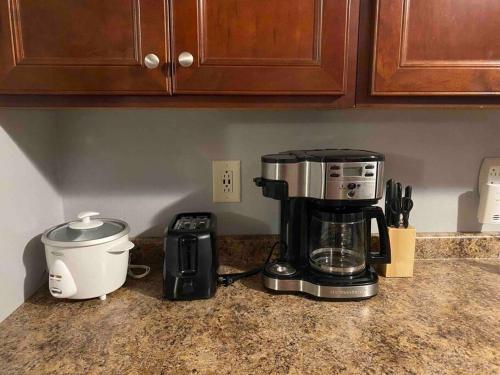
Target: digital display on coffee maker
(353, 172)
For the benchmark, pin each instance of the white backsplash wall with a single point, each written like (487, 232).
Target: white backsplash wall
(29, 201)
(143, 166)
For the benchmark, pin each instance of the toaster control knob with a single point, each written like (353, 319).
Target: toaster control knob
(351, 186)
(351, 193)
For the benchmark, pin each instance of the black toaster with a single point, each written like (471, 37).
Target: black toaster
(191, 258)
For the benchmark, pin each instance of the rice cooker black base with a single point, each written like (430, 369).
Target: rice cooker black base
(191, 258)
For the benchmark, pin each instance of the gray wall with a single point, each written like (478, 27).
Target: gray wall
(29, 201)
(145, 165)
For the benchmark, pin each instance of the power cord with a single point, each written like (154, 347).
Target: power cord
(227, 279)
(132, 267)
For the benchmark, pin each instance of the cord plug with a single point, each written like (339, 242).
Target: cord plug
(225, 280)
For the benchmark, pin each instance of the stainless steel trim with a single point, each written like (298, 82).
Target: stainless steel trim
(380, 179)
(284, 269)
(314, 179)
(323, 184)
(322, 291)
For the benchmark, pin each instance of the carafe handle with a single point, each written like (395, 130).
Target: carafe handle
(384, 256)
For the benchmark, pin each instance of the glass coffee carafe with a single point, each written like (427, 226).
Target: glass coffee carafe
(339, 240)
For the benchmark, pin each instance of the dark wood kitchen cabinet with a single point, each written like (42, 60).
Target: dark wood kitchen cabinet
(83, 46)
(436, 48)
(261, 47)
(249, 53)
(237, 53)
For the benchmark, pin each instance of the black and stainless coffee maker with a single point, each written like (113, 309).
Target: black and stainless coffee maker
(327, 206)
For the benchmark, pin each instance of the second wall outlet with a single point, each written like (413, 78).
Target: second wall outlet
(226, 181)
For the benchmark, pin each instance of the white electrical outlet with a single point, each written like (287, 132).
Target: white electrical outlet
(226, 181)
(489, 192)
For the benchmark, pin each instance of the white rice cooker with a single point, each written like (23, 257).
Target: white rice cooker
(87, 258)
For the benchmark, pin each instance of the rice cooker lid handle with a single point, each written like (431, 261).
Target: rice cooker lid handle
(86, 222)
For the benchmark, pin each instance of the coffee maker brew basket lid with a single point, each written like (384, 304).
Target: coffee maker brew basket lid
(323, 156)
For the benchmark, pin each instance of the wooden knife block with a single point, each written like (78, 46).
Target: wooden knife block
(402, 253)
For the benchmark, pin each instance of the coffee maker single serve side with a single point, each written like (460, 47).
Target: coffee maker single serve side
(327, 204)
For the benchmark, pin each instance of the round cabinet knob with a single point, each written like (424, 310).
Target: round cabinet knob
(151, 61)
(186, 59)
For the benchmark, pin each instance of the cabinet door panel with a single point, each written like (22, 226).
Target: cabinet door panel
(225, 40)
(82, 46)
(438, 47)
(263, 46)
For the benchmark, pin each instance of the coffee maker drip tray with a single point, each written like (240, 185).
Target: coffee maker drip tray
(308, 281)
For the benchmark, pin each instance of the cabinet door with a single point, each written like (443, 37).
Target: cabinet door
(82, 46)
(438, 47)
(263, 46)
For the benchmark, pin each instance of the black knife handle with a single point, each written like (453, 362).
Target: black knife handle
(397, 204)
(406, 206)
(389, 189)
(408, 191)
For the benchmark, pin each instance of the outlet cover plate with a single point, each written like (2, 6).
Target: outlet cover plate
(226, 180)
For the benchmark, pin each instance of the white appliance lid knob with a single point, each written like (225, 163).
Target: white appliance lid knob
(86, 215)
(86, 222)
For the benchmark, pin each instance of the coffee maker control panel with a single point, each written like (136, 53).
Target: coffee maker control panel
(351, 181)
(334, 174)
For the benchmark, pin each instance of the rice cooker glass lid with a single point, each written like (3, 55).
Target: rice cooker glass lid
(86, 231)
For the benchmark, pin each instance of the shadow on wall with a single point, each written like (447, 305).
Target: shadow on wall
(467, 221)
(191, 203)
(403, 168)
(32, 131)
(35, 264)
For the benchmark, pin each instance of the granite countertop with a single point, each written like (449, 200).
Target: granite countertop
(444, 320)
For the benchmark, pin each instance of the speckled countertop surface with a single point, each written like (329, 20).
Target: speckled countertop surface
(445, 320)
